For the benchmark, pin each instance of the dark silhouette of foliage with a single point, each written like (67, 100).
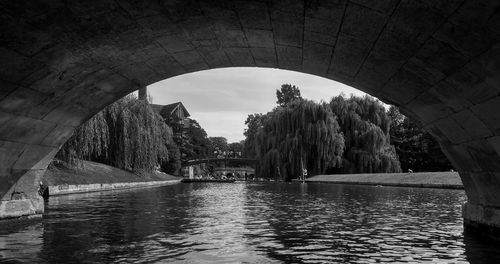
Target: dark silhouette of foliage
(254, 122)
(236, 149)
(416, 148)
(193, 142)
(365, 126)
(173, 164)
(218, 146)
(287, 94)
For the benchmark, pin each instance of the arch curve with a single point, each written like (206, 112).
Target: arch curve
(437, 60)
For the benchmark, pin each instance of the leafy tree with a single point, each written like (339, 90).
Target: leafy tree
(127, 134)
(416, 148)
(305, 133)
(287, 94)
(365, 126)
(219, 145)
(254, 122)
(236, 148)
(195, 143)
(89, 141)
(360, 128)
(173, 164)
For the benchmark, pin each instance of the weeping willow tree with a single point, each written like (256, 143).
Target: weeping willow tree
(127, 134)
(365, 125)
(303, 132)
(89, 141)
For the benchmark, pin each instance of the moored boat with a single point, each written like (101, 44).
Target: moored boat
(208, 180)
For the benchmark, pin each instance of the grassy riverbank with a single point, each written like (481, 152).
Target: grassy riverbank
(93, 172)
(446, 179)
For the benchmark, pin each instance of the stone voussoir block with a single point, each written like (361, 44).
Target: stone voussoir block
(487, 112)
(473, 125)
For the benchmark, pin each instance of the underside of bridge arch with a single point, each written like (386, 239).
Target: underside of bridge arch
(61, 62)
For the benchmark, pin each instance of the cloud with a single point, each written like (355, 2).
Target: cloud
(228, 124)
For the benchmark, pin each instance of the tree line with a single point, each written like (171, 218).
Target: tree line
(416, 148)
(344, 135)
(130, 135)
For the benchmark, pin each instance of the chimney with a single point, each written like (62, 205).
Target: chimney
(143, 94)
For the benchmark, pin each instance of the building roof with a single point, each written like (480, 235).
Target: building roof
(157, 108)
(170, 108)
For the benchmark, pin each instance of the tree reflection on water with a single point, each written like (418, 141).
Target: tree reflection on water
(254, 222)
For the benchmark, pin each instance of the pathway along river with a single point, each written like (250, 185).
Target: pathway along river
(251, 223)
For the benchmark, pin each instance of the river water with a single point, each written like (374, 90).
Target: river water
(250, 223)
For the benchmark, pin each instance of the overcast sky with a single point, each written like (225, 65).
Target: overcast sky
(221, 99)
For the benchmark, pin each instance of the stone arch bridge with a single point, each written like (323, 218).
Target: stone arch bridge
(220, 161)
(63, 61)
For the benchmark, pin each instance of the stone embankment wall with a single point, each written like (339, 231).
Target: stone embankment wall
(82, 188)
(30, 208)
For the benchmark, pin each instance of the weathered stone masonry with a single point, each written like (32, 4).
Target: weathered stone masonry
(62, 61)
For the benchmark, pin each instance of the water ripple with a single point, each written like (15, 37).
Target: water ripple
(251, 223)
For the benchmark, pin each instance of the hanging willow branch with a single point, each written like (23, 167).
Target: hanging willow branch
(89, 141)
(344, 136)
(365, 124)
(303, 130)
(127, 134)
